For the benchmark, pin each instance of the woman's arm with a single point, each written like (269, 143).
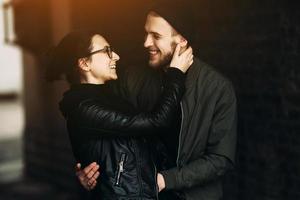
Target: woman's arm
(101, 120)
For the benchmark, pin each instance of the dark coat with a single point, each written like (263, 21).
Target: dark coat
(207, 139)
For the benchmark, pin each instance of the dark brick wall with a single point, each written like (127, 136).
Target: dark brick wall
(257, 46)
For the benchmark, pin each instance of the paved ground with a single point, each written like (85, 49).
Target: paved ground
(31, 190)
(13, 185)
(12, 121)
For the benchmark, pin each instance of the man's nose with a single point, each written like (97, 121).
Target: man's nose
(148, 41)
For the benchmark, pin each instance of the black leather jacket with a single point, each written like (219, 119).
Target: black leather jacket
(104, 128)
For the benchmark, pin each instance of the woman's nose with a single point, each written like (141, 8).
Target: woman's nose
(116, 56)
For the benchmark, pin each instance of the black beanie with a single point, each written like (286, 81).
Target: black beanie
(179, 14)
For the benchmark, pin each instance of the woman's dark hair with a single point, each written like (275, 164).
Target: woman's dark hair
(62, 59)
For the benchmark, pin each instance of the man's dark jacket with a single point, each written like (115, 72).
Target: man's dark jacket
(207, 139)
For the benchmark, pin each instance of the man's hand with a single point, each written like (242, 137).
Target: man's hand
(88, 176)
(160, 182)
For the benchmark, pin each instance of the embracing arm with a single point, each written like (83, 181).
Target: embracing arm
(92, 115)
(103, 120)
(219, 154)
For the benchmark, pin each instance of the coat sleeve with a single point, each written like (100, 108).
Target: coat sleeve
(103, 120)
(220, 149)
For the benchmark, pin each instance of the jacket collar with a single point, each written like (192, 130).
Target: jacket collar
(88, 87)
(193, 73)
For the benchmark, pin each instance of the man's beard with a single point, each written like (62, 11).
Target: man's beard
(163, 62)
(166, 59)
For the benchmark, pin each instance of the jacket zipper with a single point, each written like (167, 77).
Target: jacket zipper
(120, 168)
(179, 142)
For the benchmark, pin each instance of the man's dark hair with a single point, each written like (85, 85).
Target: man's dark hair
(179, 14)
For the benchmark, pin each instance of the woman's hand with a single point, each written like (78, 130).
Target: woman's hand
(182, 61)
(160, 182)
(88, 176)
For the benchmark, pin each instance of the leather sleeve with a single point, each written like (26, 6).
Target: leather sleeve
(103, 120)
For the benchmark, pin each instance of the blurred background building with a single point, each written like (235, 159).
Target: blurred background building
(255, 43)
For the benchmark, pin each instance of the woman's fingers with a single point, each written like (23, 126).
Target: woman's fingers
(177, 50)
(182, 62)
(88, 175)
(187, 52)
(89, 168)
(92, 171)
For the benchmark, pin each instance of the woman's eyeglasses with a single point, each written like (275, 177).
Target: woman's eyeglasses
(106, 49)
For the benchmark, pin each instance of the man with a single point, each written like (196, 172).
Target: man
(204, 138)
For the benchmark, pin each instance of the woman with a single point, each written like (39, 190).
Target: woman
(106, 129)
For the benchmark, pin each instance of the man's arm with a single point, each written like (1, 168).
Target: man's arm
(198, 172)
(220, 150)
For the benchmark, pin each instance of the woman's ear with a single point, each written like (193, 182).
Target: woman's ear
(83, 64)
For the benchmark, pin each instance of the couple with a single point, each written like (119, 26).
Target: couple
(202, 136)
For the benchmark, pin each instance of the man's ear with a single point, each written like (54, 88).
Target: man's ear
(183, 43)
(83, 64)
(181, 40)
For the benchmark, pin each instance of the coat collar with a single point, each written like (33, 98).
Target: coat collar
(193, 73)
